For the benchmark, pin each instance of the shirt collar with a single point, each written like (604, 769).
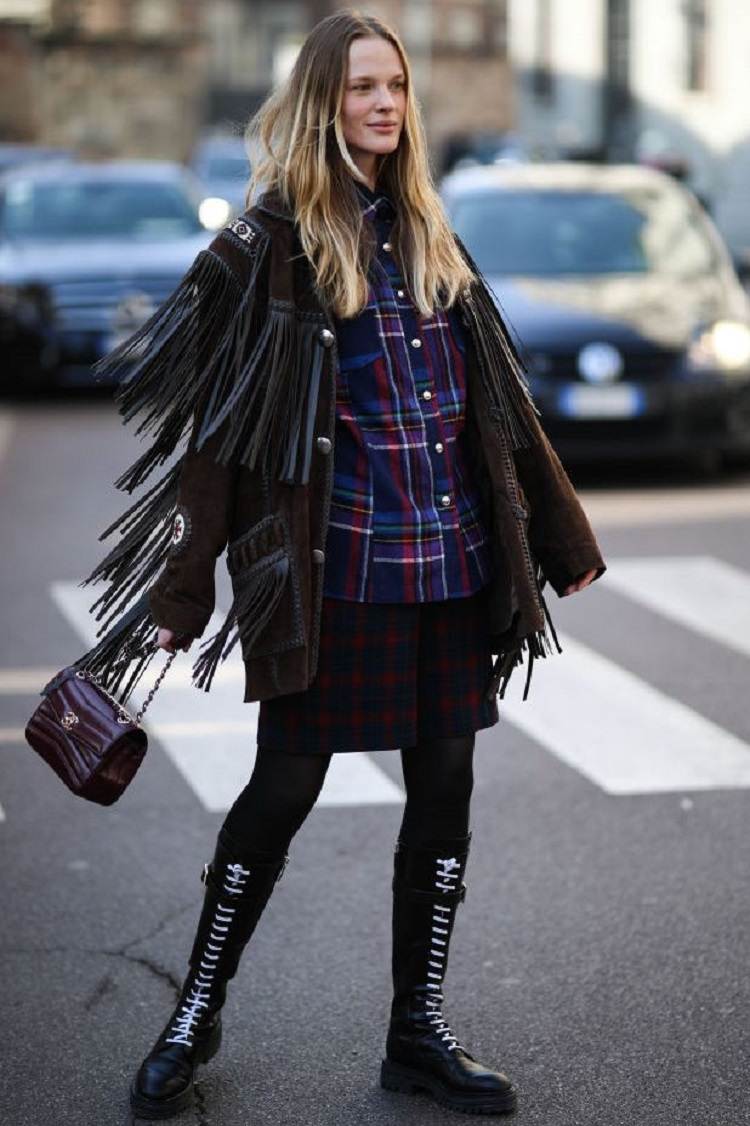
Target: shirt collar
(375, 203)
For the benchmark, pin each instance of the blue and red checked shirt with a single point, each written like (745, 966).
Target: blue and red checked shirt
(405, 519)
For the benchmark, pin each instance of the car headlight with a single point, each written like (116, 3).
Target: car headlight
(724, 345)
(214, 212)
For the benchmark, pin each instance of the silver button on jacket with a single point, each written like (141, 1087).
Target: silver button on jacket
(323, 444)
(326, 337)
(318, 555)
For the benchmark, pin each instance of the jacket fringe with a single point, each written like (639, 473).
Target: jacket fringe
(265, 400)
(124, 654)
(164, 368)
(202, 356)
(534, 645)
(255, 601)
(146, 530)
(502, 370)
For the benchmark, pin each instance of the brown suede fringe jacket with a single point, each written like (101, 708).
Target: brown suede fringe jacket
(238, 367)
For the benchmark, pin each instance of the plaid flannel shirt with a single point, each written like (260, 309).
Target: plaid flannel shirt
(405, 521)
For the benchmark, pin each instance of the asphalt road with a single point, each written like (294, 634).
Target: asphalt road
(601, 955)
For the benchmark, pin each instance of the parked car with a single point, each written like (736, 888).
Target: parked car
(466, 150)
(623, 300)
(221, 164)
(14, 155)
(87, 253)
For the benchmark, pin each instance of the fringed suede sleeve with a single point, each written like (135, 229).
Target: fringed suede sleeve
(559, 531)
(167, 375)
(183, 597)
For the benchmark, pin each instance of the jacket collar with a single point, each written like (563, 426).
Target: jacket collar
(272, 203)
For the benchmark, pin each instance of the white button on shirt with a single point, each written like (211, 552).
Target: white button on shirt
(427, 394)
(416, 343)
(439, 447)
(399, 293)
(445, 500)
(387, 246)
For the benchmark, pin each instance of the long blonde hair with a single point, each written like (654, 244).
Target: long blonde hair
(297, 148)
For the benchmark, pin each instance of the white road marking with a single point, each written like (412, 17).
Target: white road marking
(620, 732)
(216, 756)
(613, 727)
(618, 507)
(7, 426)
(23, 681)
(12, 735)
(705, 594)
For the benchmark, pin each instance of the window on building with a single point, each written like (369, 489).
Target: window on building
(696, 47)
(541, 79)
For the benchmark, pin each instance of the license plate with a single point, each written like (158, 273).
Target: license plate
(618, 400)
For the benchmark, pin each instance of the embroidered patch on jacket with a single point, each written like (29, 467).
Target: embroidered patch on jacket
(244, 231)
(181, 528)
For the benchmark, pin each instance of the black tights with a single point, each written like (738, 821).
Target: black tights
(284, 786)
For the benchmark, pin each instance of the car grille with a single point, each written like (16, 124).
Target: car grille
(607, 430)
(639, 365)
(88, 305)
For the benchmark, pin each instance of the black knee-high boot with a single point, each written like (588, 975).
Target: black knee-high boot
(422, 1053)
(238, 886)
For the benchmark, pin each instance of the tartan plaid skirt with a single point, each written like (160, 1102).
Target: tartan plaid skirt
(389, 675)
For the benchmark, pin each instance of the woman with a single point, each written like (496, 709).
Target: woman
(351, 397)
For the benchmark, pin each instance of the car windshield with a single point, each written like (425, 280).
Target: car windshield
(550, 233)
(224, 167)
(95, 209)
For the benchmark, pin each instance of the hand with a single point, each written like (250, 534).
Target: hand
(581, 582)
(171, 641)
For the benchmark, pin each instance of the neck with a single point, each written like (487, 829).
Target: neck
(368, 164)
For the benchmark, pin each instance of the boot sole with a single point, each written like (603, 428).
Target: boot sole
(144, 1107)
(409, 1081)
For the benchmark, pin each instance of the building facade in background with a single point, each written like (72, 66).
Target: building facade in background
(665, 82)
(146, 77)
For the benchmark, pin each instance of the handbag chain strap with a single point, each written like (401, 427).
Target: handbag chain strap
(125, 716)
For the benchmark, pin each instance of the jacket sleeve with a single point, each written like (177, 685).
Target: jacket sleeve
(183, 597)
(192, 376)
(560, 535)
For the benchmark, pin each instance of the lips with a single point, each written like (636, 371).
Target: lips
(384, 125)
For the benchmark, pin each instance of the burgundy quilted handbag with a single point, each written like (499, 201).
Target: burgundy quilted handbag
(88, 738)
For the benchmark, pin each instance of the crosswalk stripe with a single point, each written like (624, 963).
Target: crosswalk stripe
(701, 592)
(611, 508)
(216, 756)
(12, 735)
(621, 732)
(7, 426)
(23, 682)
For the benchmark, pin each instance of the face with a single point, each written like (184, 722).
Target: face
(375, 93)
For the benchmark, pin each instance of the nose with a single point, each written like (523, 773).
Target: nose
(385, 99)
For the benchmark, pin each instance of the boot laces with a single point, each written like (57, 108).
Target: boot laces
(190, 1011)
(447, 869)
